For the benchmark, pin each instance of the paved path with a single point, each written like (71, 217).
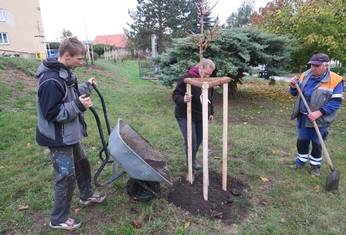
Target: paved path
(287, 79)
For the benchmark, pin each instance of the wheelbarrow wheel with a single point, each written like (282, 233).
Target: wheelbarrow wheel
(143, 190)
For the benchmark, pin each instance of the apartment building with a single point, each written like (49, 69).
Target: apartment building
(21, 29)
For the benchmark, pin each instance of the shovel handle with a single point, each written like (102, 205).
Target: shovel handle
(316, 129)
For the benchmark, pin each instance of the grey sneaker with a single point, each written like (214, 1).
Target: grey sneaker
(296, 166)
(315, 171)
(69, 225)
(95, 198)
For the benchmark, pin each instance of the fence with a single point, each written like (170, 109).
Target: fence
(147, 70)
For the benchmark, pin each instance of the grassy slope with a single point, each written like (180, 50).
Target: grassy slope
(261, 144)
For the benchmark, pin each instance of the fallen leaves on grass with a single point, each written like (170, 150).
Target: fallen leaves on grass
(317, 188)
(136, 224)
(306, 222)
(134, 211)
(187, 224)
(78, 209)
(262, 203)
(264, 179)
(24, 207)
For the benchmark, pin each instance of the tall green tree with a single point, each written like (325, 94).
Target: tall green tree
(235, 51)
(166, 19)
(53, 45)
(208, 21)
(65, 33)
(313, 25)
(242, 17)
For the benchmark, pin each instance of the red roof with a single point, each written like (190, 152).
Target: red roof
(118, 40)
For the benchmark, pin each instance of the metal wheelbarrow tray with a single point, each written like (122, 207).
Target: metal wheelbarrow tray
(136, 155)
(145, 166)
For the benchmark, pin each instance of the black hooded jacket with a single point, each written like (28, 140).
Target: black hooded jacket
(60, 112)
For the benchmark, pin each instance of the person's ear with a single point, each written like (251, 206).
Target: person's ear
(67, 55)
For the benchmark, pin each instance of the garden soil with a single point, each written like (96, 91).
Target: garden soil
(230, 206)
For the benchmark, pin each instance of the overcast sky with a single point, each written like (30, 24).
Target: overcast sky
(106, 17)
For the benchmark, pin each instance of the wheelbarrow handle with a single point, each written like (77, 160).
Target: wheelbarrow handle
(103, 108)
(104, 150)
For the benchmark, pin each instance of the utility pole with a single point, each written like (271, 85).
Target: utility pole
(153, 45)
(87, 41)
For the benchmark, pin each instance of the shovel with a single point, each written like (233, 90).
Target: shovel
(332, 181)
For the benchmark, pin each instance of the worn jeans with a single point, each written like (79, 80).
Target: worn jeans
(70, 165)
(307, 135)
(197, 137)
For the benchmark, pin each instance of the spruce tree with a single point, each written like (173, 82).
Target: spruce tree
(167, 19)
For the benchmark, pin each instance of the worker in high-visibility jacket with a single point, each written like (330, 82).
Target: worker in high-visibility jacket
(323, 91)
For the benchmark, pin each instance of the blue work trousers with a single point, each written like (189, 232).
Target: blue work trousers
(307, 136)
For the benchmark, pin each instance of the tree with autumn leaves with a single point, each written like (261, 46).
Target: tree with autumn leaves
(312, 25)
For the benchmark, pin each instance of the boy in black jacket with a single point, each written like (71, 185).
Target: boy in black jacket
(60, 102)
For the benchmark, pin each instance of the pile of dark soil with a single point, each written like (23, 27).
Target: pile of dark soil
(220, 204)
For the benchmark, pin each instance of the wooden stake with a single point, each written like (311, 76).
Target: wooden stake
(205, 85)
(225, 134)
(205, 140)
(189, 136)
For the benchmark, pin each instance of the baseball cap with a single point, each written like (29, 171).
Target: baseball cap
(318, 59)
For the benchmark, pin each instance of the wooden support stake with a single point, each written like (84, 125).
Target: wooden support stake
(205, 140)
(225, 134)
(189, 136)
(205, 84)
(212, 81)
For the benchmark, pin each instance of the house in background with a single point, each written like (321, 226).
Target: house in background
(21, 29)
(119, 42)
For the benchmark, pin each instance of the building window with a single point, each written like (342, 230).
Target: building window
(2, 15)
(3, 38)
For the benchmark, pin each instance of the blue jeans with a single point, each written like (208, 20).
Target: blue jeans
(307, 135)
(197, 137)
(70, 164)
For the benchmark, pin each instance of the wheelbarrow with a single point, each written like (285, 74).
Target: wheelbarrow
(137, 158)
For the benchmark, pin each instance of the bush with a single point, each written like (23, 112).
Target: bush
(339, 70)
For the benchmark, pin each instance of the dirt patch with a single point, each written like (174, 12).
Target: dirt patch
(12, 76)
(231, 206)
(21, 82)
(39, 222)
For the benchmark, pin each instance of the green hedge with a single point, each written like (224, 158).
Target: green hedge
(339, 70)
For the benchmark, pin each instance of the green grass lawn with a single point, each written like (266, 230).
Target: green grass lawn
(261, 143)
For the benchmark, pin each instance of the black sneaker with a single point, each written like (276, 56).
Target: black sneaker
(296, 166)
(69, 224)
(315, 170)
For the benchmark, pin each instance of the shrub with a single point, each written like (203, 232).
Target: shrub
(339, 70)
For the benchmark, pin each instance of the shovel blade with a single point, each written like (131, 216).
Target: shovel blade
(332, 182)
